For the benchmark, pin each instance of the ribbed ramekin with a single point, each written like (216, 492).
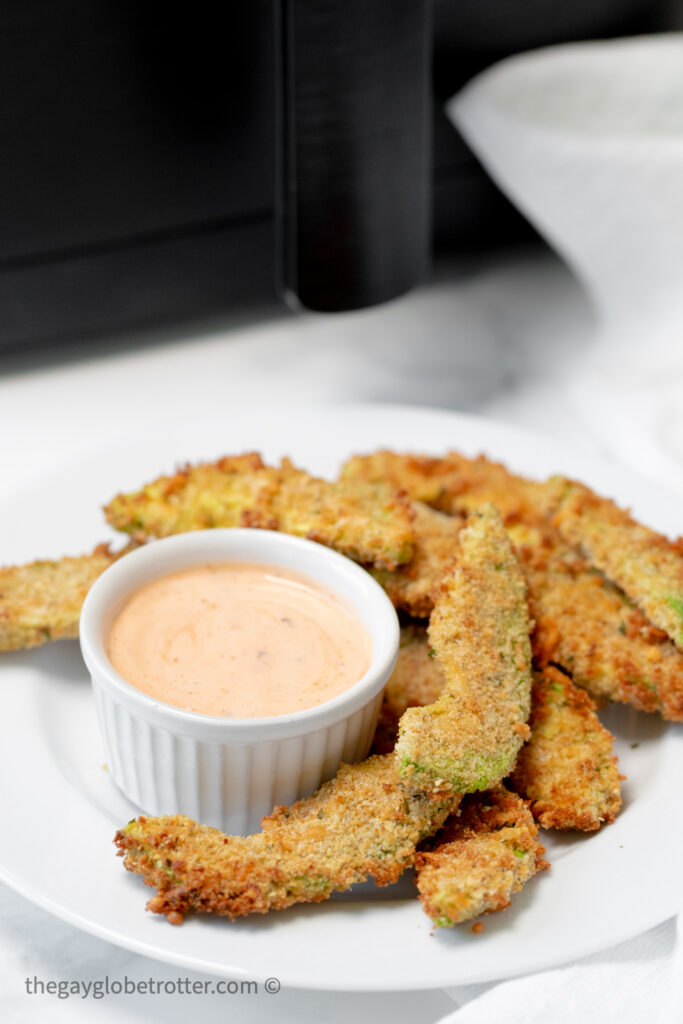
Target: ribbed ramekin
(229, 772)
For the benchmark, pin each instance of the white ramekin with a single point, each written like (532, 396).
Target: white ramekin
(229, 772)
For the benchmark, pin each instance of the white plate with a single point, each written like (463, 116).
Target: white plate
(60, 808)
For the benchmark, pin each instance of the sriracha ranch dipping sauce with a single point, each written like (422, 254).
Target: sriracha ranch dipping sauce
(238, 639)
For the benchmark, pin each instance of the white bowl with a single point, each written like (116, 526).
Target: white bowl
(229, 772)
(587, 140)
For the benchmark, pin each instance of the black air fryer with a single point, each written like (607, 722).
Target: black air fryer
(162, 163)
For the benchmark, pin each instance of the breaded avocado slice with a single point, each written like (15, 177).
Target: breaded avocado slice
(417, 680)
(42, 601)
(646, 565)
(480, 859)
(412, 587)
(568, 769)
(584, 622)
(479, 630)
(371, 523)
(364, 823)
(453, 482)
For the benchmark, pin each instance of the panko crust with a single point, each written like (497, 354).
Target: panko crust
(568, 770)
(483, 856)
(417, 680)
(453, 483)
(370, 523)
(584, 623)
(469, 738)
(591, 629)
(364, 823)
(412, 587)
(646, 565)
(42, 601)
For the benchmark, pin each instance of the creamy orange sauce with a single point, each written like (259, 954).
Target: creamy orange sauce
(238, 639)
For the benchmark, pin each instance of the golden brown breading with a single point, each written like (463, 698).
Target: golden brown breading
(479, 859)
(42, 601)
(589, 627)
(196, 498)
(412, 587)
(583, 623)
(469, 738)
(364, 823)
(370, 523)
(453, 483)
(423, 477)
(647, 566)
(567, 769)
(417, 680)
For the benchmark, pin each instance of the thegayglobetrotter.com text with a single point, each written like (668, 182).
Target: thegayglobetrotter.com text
(102, 988)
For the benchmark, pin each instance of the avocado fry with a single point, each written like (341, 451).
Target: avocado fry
(371, 523)
(42, 601)
(412, 587)
(583, 622)
(417, 680)
(453, 483)
(469, 737)
(364, 823)
(646, 565)
(481, 857)
(588, 627)
(567, 770)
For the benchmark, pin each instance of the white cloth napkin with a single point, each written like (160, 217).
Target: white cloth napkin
(636, 982)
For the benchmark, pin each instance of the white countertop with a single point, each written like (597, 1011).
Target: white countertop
(495, 335)
(501, 335)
